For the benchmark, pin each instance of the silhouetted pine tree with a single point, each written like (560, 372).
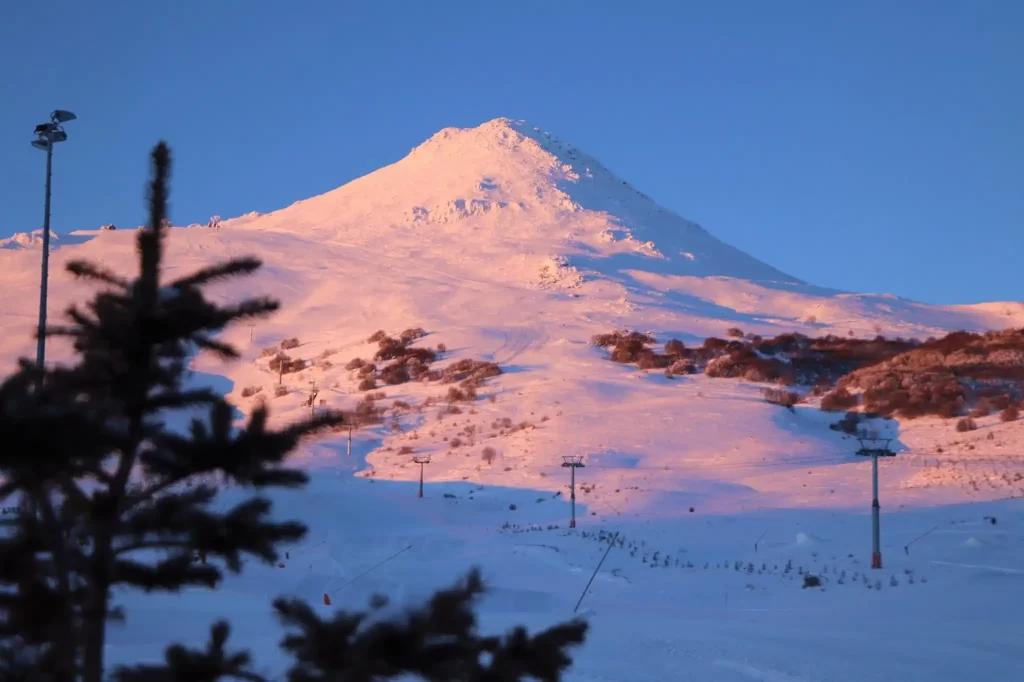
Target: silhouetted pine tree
(109, 495)
(437, 643)
(101, 478)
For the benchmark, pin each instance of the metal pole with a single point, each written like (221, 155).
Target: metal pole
(572, 495)
(349, 440)
(421, 479)
(876, 549)
(41, 341)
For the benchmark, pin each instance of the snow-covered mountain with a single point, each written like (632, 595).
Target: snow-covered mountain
(506, 243)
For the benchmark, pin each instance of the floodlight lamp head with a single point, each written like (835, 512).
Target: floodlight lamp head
(41, 144)
(62, 116)
(43, 128)
(421, 459)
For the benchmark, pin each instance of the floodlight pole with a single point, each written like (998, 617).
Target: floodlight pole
(573, 462)
(41, 332)
(421, 461)
(47, 134)
(875, 452)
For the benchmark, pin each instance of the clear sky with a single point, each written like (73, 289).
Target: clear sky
(875, 145)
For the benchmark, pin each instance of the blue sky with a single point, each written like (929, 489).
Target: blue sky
(870, 146)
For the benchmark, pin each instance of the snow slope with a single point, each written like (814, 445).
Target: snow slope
(506, 243)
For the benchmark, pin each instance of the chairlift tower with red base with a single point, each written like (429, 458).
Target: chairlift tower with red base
(573, 462)
(875, 448)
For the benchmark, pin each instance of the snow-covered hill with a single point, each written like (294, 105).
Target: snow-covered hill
(506, 243)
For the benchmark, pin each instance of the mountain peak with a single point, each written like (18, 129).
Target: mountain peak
(508, 188)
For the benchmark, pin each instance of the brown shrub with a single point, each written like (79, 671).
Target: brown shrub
(389, 349)
(488, 454)
(283, 364)
(714, 344)
(288, 344)
(456, 442)
(401, 405)
(683, 367)
(405, 450)
(368, 384)
(376, 336)
(848, 424)
(441, 348)
(355, 363)
(410, 335)
(621, 355)
(394, 374)
(982, 408)
(280, 391)
(778, 396)
(604, 340)
(421, 355)
(734, 332)
(267, 352)
(674, 347)
(646, 359)
(1001, 401)
(1010, 413)
(966, 424)
(367, 369)
(839, 399)
(250, 391)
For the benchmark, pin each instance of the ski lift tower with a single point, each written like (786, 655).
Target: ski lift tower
(573, 462)
(421, 460)
(874, 448)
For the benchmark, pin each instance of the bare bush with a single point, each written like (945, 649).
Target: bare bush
(982, 408)
(268, 352)
(367, 369)
(674, 347)
(280, 391)
(288, 344)
(839, 399)
(849, 424)
(368, 384)
(966, 424)
(405, 450)
(376, 336)
(1010, 413)
(394, 374)
(283, 364)
(410, 335)
(734, 332)
(250, 391)
(488, 455)
(455, 442)
(355, 363)
(441, 348)
(779, 396)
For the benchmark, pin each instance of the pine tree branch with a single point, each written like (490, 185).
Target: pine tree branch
(87, 270)
(235, 267)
